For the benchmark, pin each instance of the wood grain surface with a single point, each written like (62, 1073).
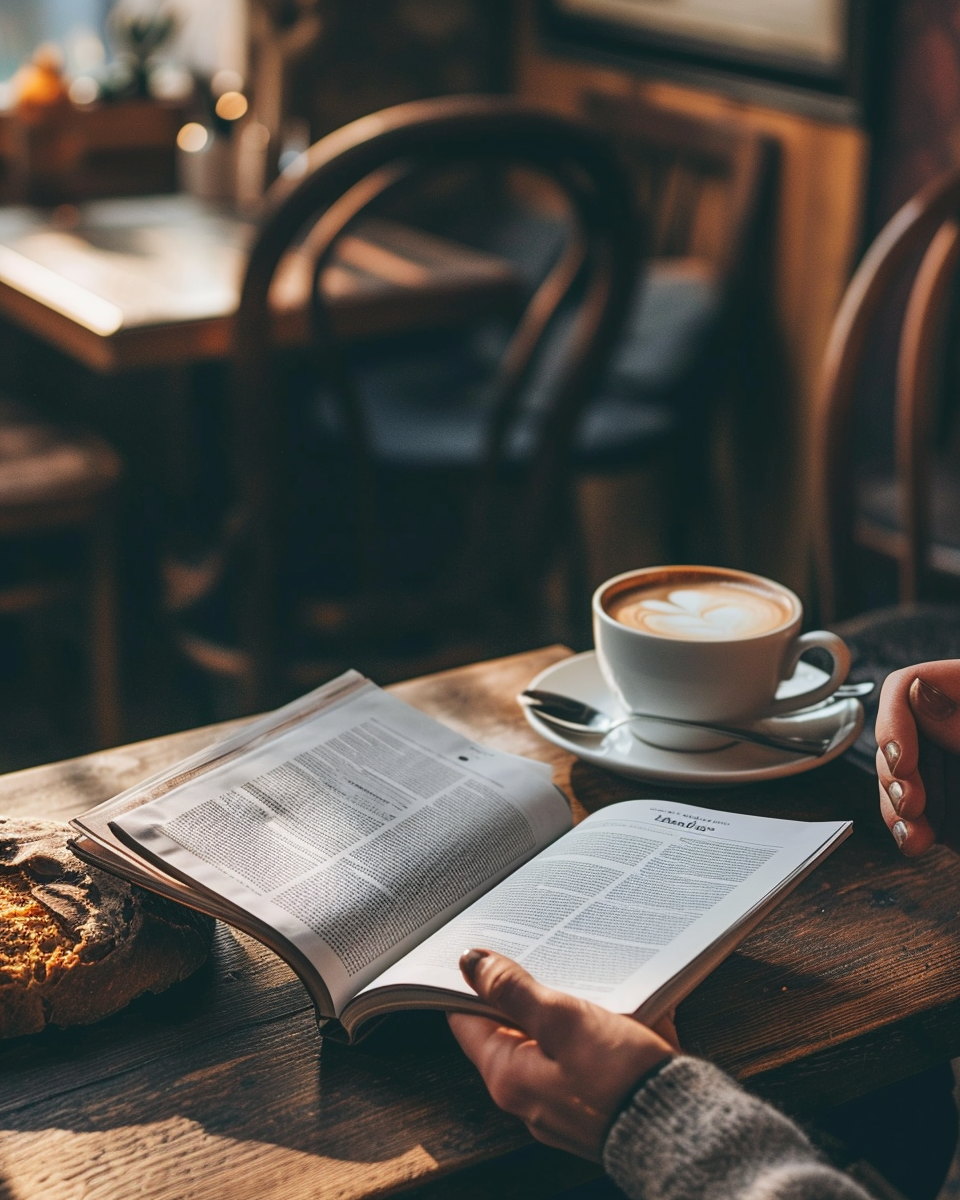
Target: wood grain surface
(221, 1087)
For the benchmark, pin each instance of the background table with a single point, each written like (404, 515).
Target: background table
(155, 281)
(222, 1088)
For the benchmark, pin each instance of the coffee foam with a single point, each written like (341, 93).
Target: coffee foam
(700, 610)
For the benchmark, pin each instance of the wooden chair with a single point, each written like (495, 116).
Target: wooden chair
(515, 462)
(701, 327)
(52, 482)
(909, 512)
(912, 513)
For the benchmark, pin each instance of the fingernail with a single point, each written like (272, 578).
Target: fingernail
(470, 960)
(895, 792)
(891, 752)
(930, 701)
(900, 833)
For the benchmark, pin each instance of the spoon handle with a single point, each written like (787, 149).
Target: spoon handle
(566, 713)
(797, 745)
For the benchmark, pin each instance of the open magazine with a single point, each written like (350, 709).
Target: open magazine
(369, 845)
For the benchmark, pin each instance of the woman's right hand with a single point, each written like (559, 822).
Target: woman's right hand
(920, 701)
(564, 1066)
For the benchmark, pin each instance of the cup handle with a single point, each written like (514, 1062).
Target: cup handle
(836, 648)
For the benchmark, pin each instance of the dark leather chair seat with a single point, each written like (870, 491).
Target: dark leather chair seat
(426, 402)
(673, 312)
(655, 386)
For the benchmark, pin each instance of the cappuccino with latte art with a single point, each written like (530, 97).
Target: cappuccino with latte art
(704, 644)
(701, 610)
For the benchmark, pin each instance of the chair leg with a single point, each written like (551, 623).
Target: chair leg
(103, 631)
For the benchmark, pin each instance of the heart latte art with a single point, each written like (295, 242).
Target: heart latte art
(711, 610)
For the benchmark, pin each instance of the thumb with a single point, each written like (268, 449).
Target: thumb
(933, 703)
(938, 718)
(667, 1029)
(541, 1012)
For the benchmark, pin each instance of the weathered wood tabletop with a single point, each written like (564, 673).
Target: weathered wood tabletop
(221, 1087)
(155, 281)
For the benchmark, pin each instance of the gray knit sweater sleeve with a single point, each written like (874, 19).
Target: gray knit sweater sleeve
(690, 1133)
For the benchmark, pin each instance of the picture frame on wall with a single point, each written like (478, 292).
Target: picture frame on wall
(824, 46)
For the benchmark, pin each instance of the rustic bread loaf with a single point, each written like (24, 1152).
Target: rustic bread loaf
(77, 944)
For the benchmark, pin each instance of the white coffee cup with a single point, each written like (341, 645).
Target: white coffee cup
(704, 663)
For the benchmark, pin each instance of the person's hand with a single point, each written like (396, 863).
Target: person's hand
(563, 1066)
(921, 700)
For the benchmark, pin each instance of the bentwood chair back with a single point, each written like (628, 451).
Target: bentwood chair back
(906, 512)
(704, 185)
(911, 513)
(518, 467)
(702, 331)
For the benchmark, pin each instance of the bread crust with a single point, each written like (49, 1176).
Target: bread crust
(77, 944)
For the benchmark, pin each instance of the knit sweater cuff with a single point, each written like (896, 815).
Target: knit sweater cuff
(691, 1133)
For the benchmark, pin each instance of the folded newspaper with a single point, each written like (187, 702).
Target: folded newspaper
(369, 845)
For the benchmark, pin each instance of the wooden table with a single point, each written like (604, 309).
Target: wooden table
(155, 281)
(222, 1088)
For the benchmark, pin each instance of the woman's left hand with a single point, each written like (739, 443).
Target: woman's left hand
(919, 702)
(564, 1066)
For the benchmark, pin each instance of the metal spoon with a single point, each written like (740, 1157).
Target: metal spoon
(846, 691)
(578, 717)
(857, 690)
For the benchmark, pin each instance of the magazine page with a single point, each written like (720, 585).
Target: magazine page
(620, 906)
(241, 736)
(356, 833)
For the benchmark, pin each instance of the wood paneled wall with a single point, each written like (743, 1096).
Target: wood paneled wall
(821, 201)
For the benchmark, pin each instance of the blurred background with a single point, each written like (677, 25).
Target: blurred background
(766, 146)
(211, 35)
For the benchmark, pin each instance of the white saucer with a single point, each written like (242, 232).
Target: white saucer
(742, 762)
